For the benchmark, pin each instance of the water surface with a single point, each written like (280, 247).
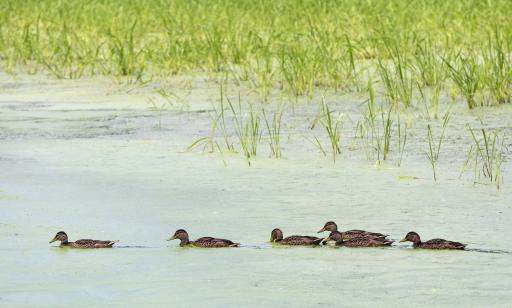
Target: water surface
(105, 167)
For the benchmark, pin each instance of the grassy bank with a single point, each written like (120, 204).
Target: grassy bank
(413, 49)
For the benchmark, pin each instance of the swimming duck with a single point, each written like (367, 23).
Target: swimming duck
(436, 243)
(85, 243)
(207, 242)
(277, 237)
(350, 234)
(362, 241)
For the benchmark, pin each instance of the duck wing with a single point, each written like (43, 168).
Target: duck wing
(377, 234)
(439, 243)
(366, 242)
(88, 243)
(356, 233)
(204, 239)
(214, 242)
(301, 240)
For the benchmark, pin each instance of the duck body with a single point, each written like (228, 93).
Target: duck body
(84, 243)
(213, 242)
(350, 234)
(361, 241)
(436, 243)
(364, 242)
(276, 236)
(295, 240)
(205, 242)
(87, 243)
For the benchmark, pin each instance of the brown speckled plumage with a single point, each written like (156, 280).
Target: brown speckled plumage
(350, 234)
(436, 243)
(84, 243)
(206, 242)
(295, 240)
(362, 241)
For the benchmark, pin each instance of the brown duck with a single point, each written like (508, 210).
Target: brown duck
(350, 234)
(362, 241)
(206, 242)
(295, 240)
(85, 243)
(436, 243)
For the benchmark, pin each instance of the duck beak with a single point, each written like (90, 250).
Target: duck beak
(403, 240)
(54, 239)
(172, 238)
(321, 230)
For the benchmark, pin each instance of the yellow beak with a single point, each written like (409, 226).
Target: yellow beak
(403, 240)
(172, 238)
(321, 230)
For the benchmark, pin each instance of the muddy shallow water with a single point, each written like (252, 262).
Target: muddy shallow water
(96, 163)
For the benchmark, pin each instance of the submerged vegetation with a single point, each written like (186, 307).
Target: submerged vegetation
(403, 56)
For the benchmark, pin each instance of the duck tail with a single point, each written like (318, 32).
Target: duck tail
(318, 241)
(234, 245)
(111, 243)
(388, 242)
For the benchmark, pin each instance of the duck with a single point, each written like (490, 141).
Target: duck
(84, 243)
(361, 241)
(276, 236)
(350, 234)
(206, 242)
(436, 243)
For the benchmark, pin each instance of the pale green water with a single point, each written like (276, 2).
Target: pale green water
(139, 189)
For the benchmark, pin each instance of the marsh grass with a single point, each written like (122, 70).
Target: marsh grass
(466, 74)
(377, 129)
(274, 132)
(400, 54)
(332, 126)
(397, 76)
(402, 140)
(497, 58)
(430, 73)
(218, 120)
(486, 155)
(434, 144)
(313, 46)
(247, 128)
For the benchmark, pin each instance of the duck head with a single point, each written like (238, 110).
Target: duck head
(276, 235)
(181, 235)
(60, 236)
(334, 236)
(411, 237)
(329, 226)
